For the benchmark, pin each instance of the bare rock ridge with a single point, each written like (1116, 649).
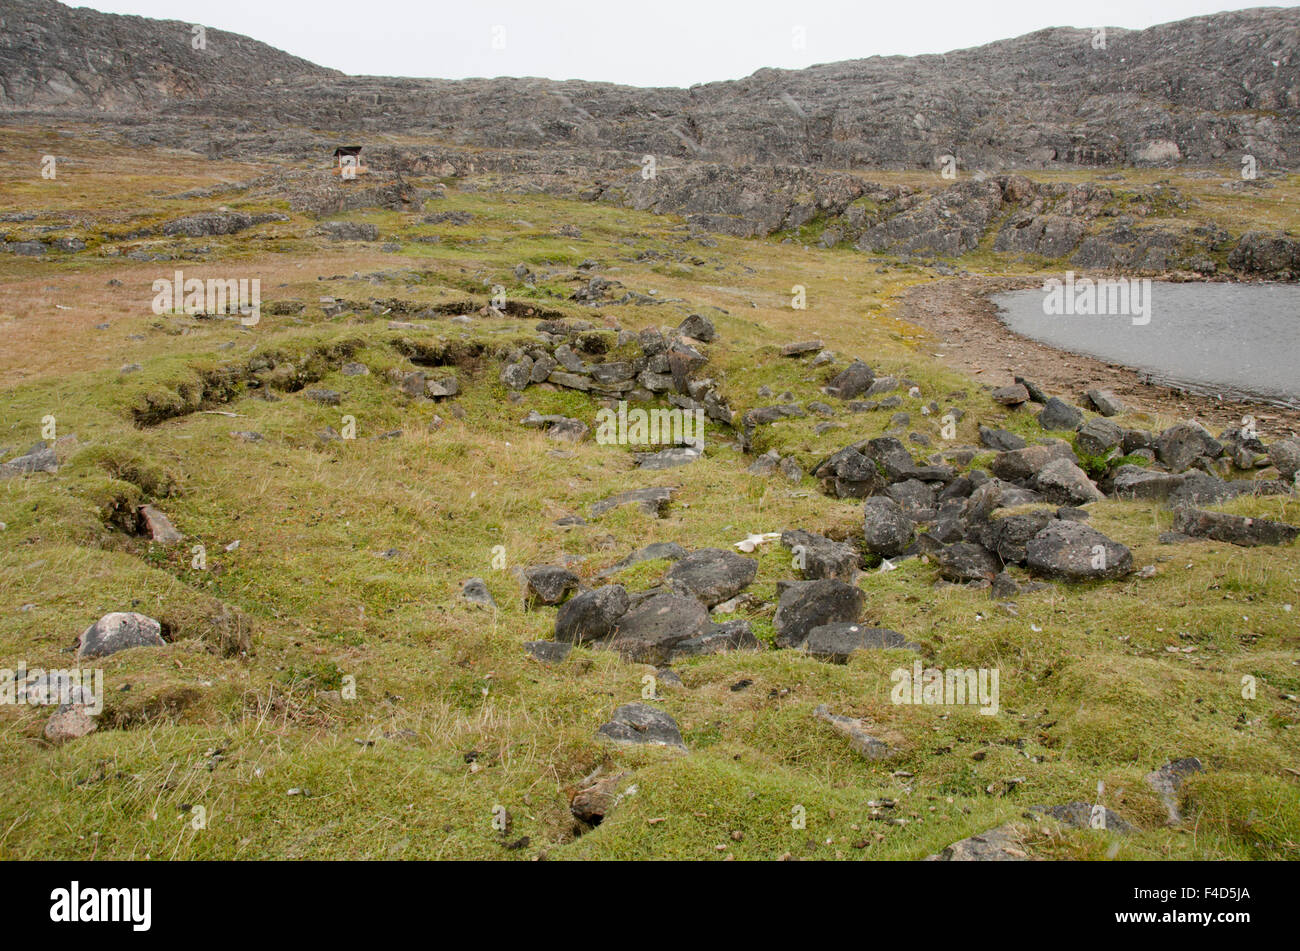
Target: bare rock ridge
(1202, 90)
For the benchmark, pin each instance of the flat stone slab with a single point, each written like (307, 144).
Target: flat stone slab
(653, 500)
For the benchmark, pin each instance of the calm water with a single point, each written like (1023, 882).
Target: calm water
(1227, 339)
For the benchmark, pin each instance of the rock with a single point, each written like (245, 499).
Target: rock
(1002, 844)
(1106, 403)
(1135, 482)
(819, 557)
(354, 369)
(349, 231)
(886, 529)
(39, 459)
(1004, 587)
(323, 396)
(649, 630)
(683, 360)
(475, 591)
(711, 575)
(1072, 551)
(1019, 465)
(518, 375)
(835, 642)
(801, 348)
(1000, 439)
(698, 327)
(1182, 444)
(1234, 529)
(1036, 393)
(550, 584)
(639, 723)
(70, 722)
(543, 367)
(1098, 436)
(1285, 455)
(1058, 414)
(856, 730)
(158, 527)
(1198, 488)
(440, 389)
(966, 561)
(653, 501)
(1080, 815)
(717, 639)
(119, 631)
(852, 382)
(597, 795)
(548, 652)
(790, 470)
(1064, 483)
(1008, 536)
(591, 615)
(567, 429)
(804, 605)
(609, 373)
(1167, 781)
(1012, 395)
(667, 458)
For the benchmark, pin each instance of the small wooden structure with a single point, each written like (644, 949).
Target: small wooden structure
(348, 159)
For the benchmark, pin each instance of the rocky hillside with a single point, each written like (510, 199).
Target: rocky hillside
(52, 56)
(1203, 90)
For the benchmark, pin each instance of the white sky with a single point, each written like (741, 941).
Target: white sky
(638, 42)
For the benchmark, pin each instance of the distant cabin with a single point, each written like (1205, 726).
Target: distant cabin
(348, 161)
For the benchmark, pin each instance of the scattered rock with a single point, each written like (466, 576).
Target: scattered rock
(548, 652)
(1072, 551)
(475, 591)
(1234, 529)
(835, 642)
(804, 605)
(856, 731)
(1167, 781)
(1003, 844)
(1012, 395)
(1058, 414)
(712, 575)
(158, 527)
(119, 631)
(886, 529)
(639, 723)
(1106, 403)
(550, 584)
(591, 615)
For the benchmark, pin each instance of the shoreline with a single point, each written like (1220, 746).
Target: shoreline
(967, 334)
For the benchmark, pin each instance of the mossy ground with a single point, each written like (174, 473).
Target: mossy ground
(1099, 684)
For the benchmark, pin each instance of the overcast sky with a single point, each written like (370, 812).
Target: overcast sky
(639, 42)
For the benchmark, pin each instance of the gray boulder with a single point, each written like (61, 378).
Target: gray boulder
(119, 631)
(804, 605)
(712, 575)
(886, 529)
(550, 584)
(591, 615)
(1072, 551)
(642, 724)
(835, 642)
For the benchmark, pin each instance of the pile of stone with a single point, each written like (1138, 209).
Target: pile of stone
(654, 364)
